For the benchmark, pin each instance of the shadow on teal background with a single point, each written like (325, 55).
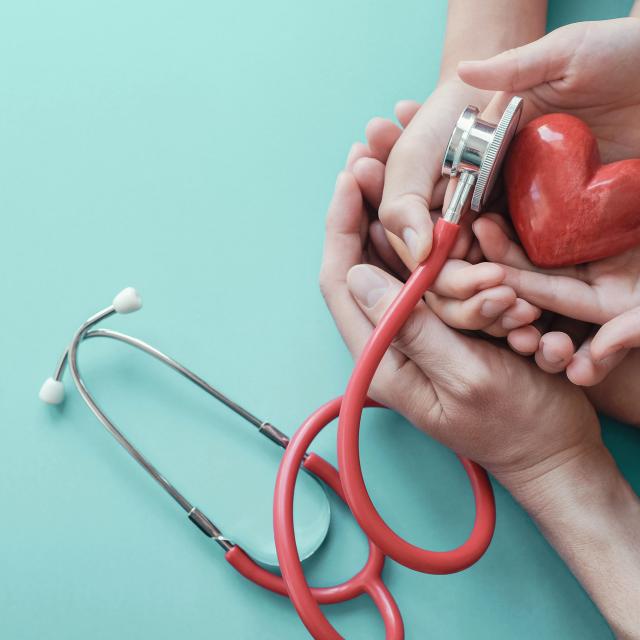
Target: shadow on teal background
(190, 149)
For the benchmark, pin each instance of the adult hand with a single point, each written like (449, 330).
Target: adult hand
(447, 383)
(588, 70)
(412, 187)
(535, 432)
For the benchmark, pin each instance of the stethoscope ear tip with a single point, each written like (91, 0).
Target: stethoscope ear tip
(127, 301)
(52, 391)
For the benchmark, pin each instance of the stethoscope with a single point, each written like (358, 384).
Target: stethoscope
(473, 156)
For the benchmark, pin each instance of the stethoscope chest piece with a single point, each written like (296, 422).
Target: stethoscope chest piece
(476, 148)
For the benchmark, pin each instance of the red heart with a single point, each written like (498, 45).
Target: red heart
(566, 206)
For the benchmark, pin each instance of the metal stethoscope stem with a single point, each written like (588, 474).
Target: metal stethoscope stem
(70, 358)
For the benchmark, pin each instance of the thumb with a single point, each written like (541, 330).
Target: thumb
(522, 68)
(424, 338)
(413, 170)
(617, 335)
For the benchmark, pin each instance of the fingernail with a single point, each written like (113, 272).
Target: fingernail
(549, 355)
(367, 285)
(412, 241)
(493, 308)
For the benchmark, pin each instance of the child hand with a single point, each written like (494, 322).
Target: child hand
(596, 293)
(413, 186)
(465, 296)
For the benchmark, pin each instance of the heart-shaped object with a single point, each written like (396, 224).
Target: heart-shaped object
(566, 206)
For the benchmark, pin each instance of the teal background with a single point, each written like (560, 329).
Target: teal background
(190, 149)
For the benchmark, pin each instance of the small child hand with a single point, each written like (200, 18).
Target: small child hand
(465, 296)
(599, 293)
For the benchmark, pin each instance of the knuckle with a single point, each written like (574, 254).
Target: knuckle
(458, 285)
(387, 212)
(395, 210)
(410, 338)
(477, 389)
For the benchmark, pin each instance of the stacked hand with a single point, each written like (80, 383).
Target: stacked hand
(444, 382)
(535, 431)
(564, 71)
(585, 69)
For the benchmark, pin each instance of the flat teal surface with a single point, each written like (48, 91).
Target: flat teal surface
(190, 149)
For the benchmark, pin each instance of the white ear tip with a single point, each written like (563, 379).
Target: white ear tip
(52, 391)
(127, 301)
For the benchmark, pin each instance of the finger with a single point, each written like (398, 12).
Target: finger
(413, 168)
(516, 316)
(424, 339)
(497, 246)
(519, 314)
(559, 294)
(474, 255)
(342, 249)
(555, 352)
(584, 371)
(558, 290)
(405, 110)
(384, 249)
(358, 150)
(464, 239)
(502, 222)
(543, 60)
(369, 173)
(477, 312)
(437, 197)
(623, 332)
(459, 279)
(525, 340)
(381, 135)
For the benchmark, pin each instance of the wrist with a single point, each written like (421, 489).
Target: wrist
(590, 514)
(586, 474)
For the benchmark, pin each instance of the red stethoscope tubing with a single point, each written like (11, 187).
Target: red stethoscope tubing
(354, 400)
(368, 580)
(349, 482)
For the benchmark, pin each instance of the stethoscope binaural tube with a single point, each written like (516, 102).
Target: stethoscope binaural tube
(52, 392)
